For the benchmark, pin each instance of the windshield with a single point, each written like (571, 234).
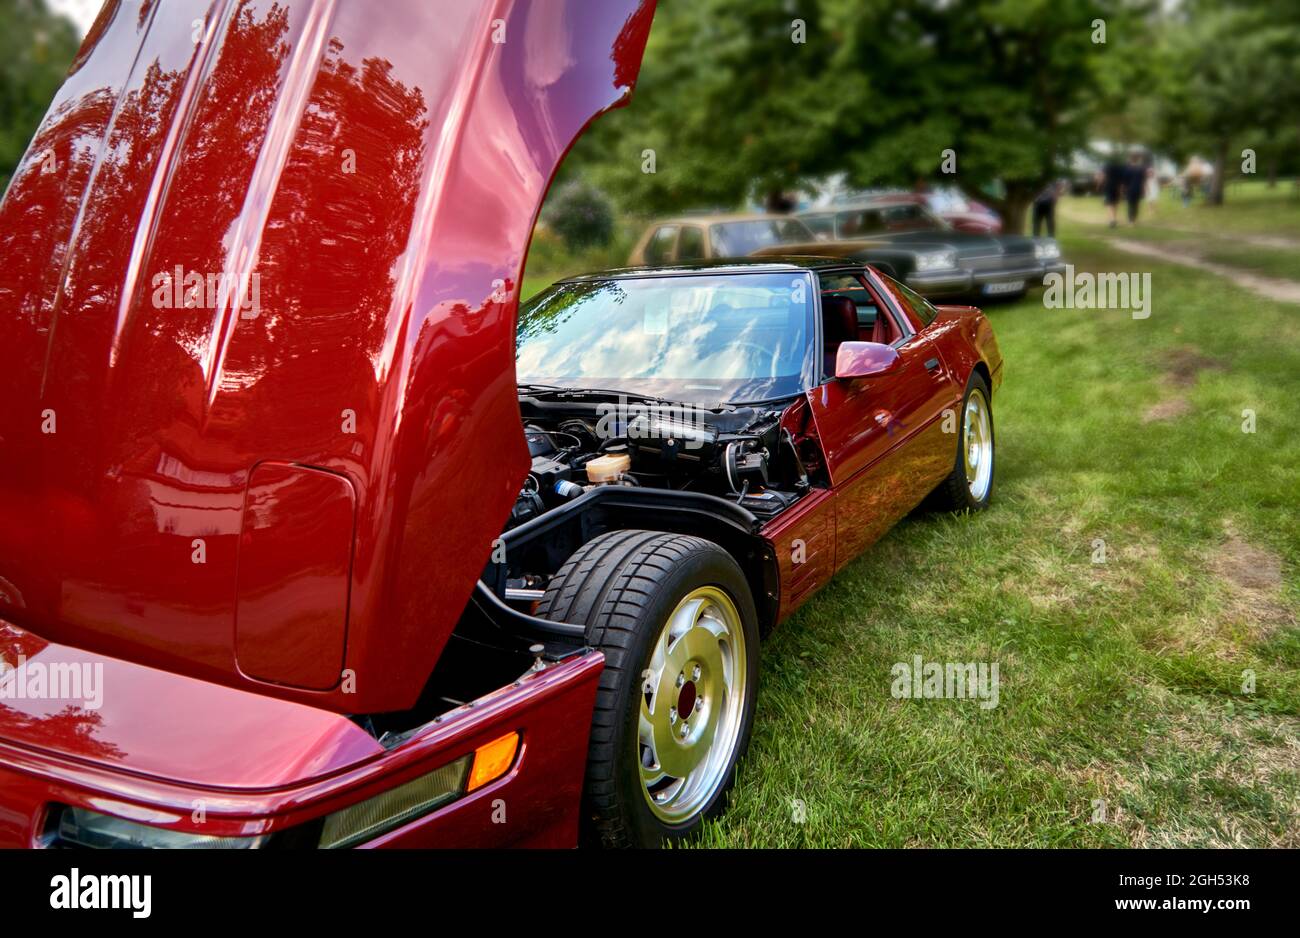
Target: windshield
(738, 238)
(902, 217)
(702, 339)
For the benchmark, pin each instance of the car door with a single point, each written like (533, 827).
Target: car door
(886, 440)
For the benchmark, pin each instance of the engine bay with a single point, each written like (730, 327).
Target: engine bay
(581, 439)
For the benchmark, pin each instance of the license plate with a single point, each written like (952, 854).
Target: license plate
(1010, 286)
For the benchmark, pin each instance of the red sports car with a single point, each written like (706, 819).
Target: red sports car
(304, 543)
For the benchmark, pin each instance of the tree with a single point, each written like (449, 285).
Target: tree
(727, 105)
(580, 214)
(1213, 59)
(750, 98)
(1009, 87)
(36, 47)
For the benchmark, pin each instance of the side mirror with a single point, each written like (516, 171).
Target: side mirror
(865, 360)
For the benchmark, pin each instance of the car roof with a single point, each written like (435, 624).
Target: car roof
(780, 263)
(716, 218)
(871, 201)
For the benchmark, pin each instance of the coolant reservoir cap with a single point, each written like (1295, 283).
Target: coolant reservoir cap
(608, 468)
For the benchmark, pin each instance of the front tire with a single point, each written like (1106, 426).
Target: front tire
(674, 708)
(970, 485)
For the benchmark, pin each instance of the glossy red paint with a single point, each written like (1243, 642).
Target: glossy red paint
(160, 743)
(166, 726)
(884, 444)
(859, 360)
(803, 542)
(883, 439)
(969, 343)
(291, 611)
(224, 494)
(291, 235)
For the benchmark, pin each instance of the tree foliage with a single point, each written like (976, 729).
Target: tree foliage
(740, 100)
(1227, 79)
(580, 214)
(36, 47)
(745, 98)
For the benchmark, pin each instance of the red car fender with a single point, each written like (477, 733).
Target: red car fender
(965, 338)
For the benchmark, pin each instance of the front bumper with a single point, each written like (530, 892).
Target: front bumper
(1013, 280)
(551, 709)
(937, 283)
(1028, 273)
(1010, 280)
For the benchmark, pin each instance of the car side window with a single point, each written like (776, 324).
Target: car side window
(823, 225)
(846, 284)
(791, 231)
(918, 305)
(690, 245)
(858, 222)
(660, 248)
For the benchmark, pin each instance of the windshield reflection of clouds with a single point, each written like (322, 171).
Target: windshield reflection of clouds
(665, 335)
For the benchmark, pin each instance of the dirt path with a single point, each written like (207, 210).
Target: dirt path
(1188, 254)
(1271, 288)
(1278, 242)
(1155, 222)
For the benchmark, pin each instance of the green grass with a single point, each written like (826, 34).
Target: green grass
(1270, 262)
(1214, 234)
(1249, 208)
(1119, 681)
(534, 285)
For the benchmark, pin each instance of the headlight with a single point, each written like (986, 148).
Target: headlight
(1046, 251)
(397, 806)
(936, 260)
(77, 827)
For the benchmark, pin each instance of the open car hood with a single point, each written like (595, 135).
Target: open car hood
(258, 280)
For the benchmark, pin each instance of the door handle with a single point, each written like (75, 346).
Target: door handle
(931, 364)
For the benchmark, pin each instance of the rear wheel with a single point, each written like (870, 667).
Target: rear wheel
(970, 485)
(675, 705)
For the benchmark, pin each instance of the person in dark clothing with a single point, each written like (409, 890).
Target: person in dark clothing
(1135, 183)
(1112, 183)
(1045, 207)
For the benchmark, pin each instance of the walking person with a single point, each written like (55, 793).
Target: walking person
(1045, 207)
(1111, 179)
(1135, 181)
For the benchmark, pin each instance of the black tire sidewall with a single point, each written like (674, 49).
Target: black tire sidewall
(708, 566)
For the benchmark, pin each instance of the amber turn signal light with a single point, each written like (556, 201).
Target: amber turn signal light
(492, 760)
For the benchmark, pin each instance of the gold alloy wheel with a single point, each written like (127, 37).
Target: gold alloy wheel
(692, 705)
(977, 449)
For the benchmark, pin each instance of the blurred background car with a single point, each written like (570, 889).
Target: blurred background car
(896, 235)
(901, 236)
(704, 237)
(948, 203)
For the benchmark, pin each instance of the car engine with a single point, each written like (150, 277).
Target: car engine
(741, 453)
